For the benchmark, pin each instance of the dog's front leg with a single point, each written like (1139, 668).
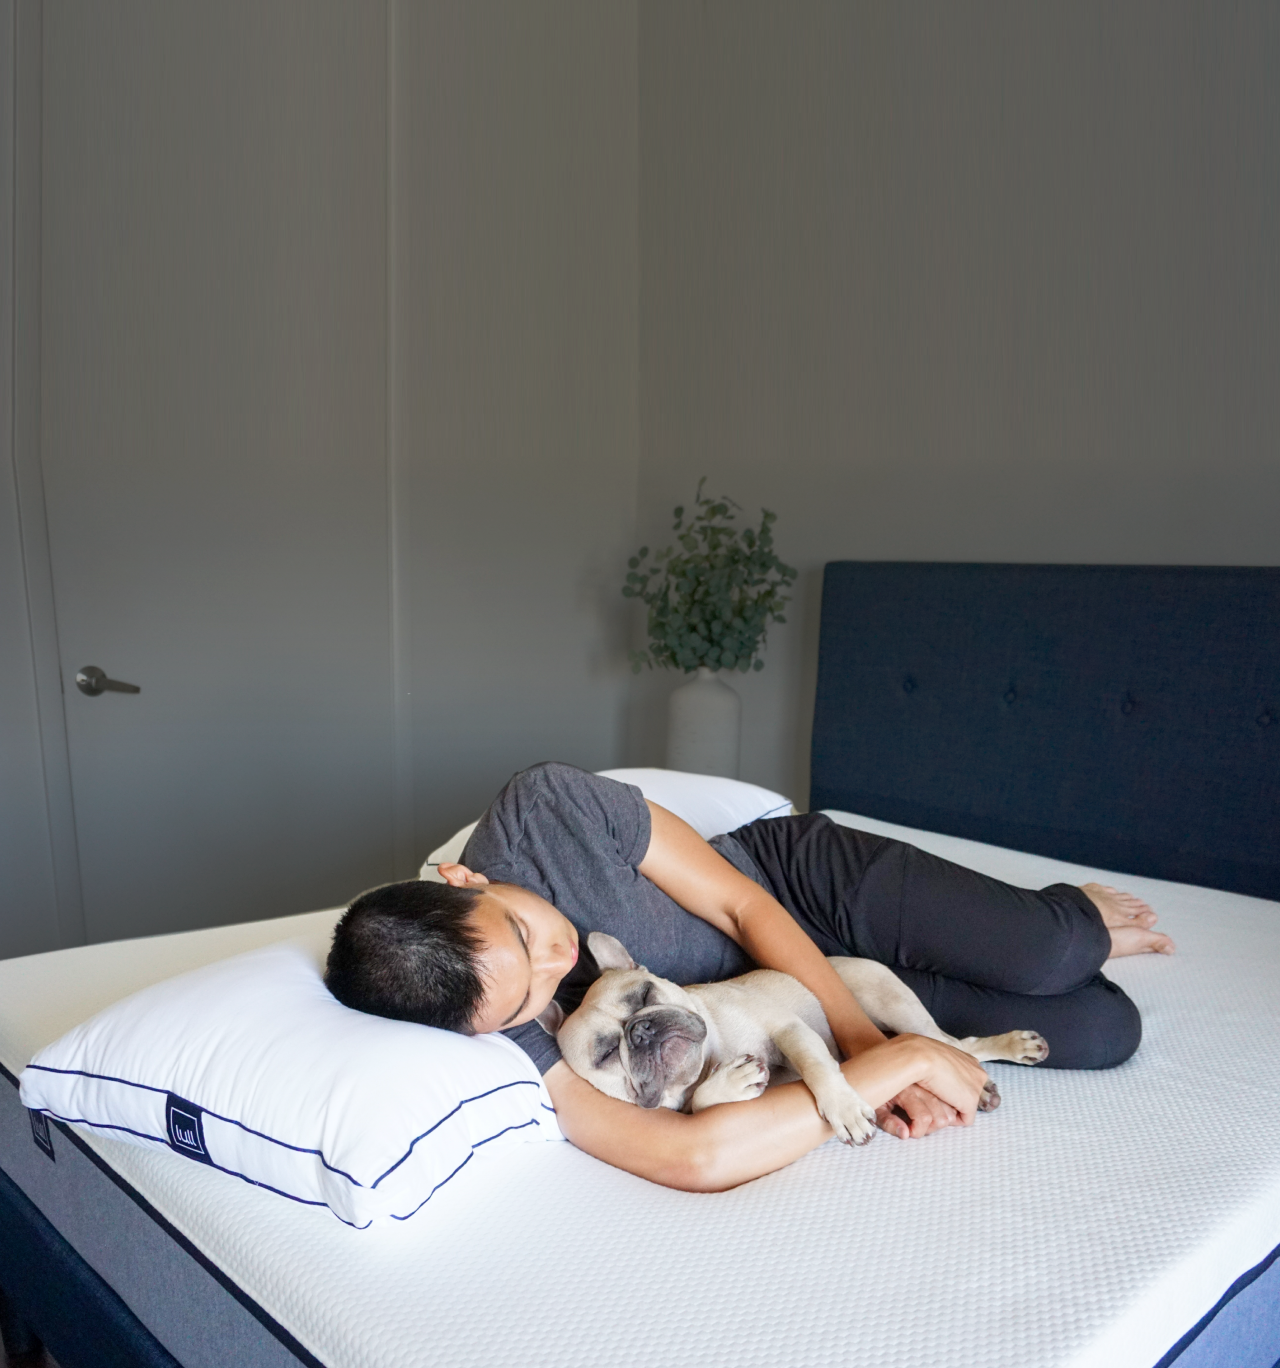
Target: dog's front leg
(839, 1104)
(739, 1080)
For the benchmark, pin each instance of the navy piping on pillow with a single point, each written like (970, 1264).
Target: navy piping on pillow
(230, 1120)
(436, 1189)
(461, 1166)
(520, 1082)
(284, 1144)
(302, 1201)
(105, 1078)
(102, 1125)
(523, 1125)
(234, 1173)
(307, 1201)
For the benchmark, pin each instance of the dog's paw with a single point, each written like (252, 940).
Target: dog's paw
(990, 1098)
(848, 1115)
(1027, 1047)
(737, 1081)
(745, 1077)
(1014, 1047)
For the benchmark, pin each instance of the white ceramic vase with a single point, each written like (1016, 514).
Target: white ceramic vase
(704, 723)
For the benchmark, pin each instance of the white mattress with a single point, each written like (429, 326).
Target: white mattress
(1089, 1222)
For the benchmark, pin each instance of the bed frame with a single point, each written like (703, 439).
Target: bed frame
(1122, 717)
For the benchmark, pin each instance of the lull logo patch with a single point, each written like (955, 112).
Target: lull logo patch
(41, 1133)
(185, 1125)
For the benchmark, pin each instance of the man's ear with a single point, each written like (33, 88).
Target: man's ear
(551, 1018)
(609, 952)
(459, 876)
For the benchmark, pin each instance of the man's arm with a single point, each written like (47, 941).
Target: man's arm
(726, 1145)
(697, 877)
(694, 875)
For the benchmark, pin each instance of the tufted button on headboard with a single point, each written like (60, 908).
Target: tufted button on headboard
(1123, 717)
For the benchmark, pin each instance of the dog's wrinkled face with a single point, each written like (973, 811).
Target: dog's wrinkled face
(636, 1037)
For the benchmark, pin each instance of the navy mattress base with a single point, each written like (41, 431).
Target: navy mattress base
(91, 1265)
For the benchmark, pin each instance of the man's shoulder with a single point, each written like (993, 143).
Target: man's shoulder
(556, 806)
(547, 794)
(537, 1043)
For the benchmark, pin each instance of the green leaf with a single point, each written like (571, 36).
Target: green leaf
(710, 596)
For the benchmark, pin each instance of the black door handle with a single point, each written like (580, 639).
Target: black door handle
(93, 681)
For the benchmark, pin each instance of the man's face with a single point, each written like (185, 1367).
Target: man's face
(527, 948)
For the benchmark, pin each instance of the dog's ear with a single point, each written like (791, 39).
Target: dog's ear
(551, 1018)
(609, 952)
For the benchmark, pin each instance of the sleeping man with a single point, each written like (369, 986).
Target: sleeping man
(561, 853)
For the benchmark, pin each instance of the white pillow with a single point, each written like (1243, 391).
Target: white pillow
(252, 1066)
(711, 806)
(449, 853)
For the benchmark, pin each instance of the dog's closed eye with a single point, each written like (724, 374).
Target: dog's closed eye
(606, 1048)
(639, 997)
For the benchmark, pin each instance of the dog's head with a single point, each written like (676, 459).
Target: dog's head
(636, 1037)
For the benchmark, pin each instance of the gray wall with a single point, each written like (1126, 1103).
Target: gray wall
(213, 322)
(500, 450)
(515, 374)
(970, 282)
(958, 282)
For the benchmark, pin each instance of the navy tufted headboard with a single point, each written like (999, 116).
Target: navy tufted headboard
(1125, 717)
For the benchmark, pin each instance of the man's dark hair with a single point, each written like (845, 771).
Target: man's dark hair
(408, 951)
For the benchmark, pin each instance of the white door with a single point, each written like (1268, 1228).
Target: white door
(214, 450)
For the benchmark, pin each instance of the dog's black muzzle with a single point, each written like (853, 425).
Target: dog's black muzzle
(660, 1041)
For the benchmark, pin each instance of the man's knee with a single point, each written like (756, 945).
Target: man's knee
(1104, 1029)
(1087, 942)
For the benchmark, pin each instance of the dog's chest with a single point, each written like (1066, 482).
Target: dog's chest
(733, 1031)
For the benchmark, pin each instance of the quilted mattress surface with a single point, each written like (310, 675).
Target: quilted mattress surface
(1089, 1222)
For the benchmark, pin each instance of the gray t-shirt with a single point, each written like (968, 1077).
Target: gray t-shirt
(576, 839)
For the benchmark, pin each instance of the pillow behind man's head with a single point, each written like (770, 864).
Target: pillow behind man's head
(711, 805)
(251, 1066)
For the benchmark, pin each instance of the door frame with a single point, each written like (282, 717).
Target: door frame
(21, 59)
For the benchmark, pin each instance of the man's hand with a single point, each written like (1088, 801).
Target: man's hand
(944, 1088)
(924, 1113)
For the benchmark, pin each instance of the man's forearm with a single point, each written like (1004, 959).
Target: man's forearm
(722, 1146)
(772, 938)
(748, 1139)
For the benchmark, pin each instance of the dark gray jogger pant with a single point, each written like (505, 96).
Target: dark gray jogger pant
(983, 956)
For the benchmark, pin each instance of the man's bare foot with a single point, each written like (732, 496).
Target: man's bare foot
(1119, 909)
(1129, 920)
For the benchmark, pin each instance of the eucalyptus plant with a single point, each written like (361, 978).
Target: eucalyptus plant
(711, 596)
